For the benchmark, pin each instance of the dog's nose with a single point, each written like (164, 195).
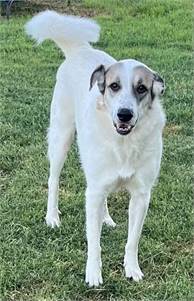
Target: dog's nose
(125, 115)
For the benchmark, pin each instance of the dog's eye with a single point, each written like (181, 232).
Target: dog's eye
(115, 87)
(141, 89)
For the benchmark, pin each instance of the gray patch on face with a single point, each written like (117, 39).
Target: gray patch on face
(139, 96)
(143, 76)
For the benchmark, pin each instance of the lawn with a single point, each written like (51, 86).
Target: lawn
(38, 263)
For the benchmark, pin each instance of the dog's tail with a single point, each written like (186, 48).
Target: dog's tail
(66, 31)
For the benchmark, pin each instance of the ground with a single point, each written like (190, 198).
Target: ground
(38, 263)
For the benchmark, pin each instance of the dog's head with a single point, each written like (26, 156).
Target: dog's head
(128, 88)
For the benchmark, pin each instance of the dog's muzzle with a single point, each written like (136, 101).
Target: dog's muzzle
(123, 125)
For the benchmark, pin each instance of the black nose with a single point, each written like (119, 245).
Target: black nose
(125, 115)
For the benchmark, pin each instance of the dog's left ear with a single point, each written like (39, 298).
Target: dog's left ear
(98, 76)
(158, 87)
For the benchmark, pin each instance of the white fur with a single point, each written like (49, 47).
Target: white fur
(109, 160)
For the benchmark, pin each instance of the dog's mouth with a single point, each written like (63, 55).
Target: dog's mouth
(123, 128)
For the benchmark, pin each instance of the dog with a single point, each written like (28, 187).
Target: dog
(114, 106)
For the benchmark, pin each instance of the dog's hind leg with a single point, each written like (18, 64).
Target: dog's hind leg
(107, 218)
(60, 137)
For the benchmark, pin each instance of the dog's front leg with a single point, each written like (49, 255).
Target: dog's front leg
(137, 211)
(94, 219)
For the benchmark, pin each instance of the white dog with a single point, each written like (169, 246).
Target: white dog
(114, 106)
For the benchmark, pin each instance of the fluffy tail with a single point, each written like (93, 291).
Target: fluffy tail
(65, 31)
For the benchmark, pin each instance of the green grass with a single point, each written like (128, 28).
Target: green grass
(38, 263)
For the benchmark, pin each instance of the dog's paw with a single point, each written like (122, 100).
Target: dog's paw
(134, 273)
(52, 219)
(132, 270)
(109, 222)
(93, 274)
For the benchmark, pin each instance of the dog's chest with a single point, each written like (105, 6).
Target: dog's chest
(125, 158)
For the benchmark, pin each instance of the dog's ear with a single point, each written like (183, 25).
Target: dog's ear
(98, 76)
(158, 86)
